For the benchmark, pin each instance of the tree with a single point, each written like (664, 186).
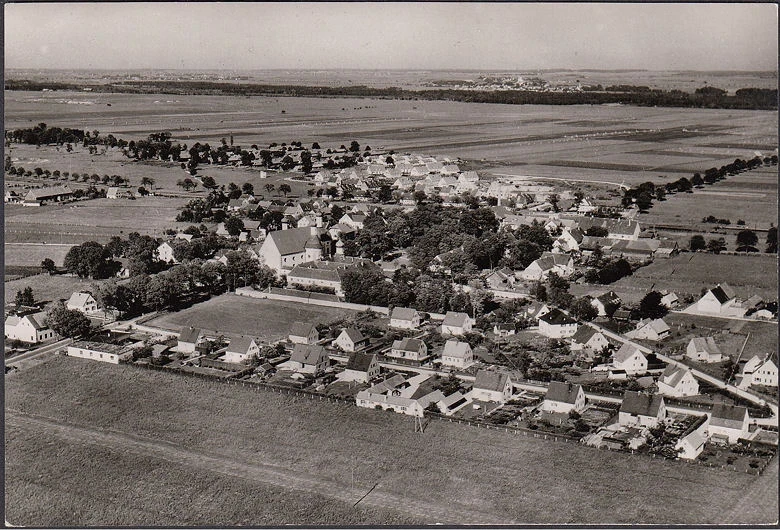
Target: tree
(148, 182)
(315, 145)
(716, 245)
(771, 240)
(285, 188)
(25, 297)
(48, 265)
(420, 197)
(583, 309)
(306, 165)
(68, 322)
(234, 225)
(209, 183)
(747, 241)
(187, 184)
(385, 193)
(644, 201)
(247, 188)
(90, 259)
(269, 188)
(143, 192)
(697, 180)
(354, 146)
(554, 199)
(697, 243)
(651, 307)
(660, 194)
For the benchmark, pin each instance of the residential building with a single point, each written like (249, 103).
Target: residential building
(670, 300)
(717, 301)
(409, 397)
(413, 349)
(563, 398)
(189, 338)
(677, 381)
(561, 264)
(309, 359)
(361, 368)
(759, 370)
(557, 325)
(703, 350)
(629, 359)
(728, 423)
(453, 403)
(691, 443)
(457, 354)
(30, 328)
(350, 340)
(404, 318)
(303, 333)
(83, 302)
(638, 409)
(588, 339)
(165, 253)
(456, 323)
(323, 274)
(492, 386)
(650, 329)
(606, 303)
(504, 329)
(241, 349)
(100, 351)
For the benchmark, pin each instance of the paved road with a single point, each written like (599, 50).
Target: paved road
(265, 472)
(20, 360)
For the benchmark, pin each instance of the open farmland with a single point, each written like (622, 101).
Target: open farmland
(500, 477)
(229, 313)
(692, 272)
(48, 288)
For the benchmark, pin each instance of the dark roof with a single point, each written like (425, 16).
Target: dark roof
(292, 241)
(240, 344)
(360, 362)
(610, 297)
(584, 334)
(354, 334)
(488, 380)
(639, 404)
(308, 354)
(189, 334)
(721, 411)
(562, 392)
(455, 319)
(556, 317)
(403, 313)
(407, 344)
(313, 273)
(723, 293)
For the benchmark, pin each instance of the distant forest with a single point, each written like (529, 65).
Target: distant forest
(708, 97)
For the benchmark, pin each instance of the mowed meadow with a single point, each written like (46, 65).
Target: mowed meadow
(451, 473)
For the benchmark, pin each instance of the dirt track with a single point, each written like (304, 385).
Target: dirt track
(267, 473)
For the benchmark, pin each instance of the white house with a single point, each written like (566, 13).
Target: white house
(670, 300)
(456, 323)
(588, 339)
(98, 351)
(165, 253)
(717, 301)
(648, 329)
(606, 303)
(303, 333)
(492, 386)
(562, 264)
(309, 359)
(317, 274)
(350, 340)
(283, 249)
(241, 349)
(638, 409)
(629, 359)
(728, 423)
(413, 349)
(361, 368)
(30, 328)
(557, 325)
(704, 350)
(457, 354)
(677, 381)
(355, 220)
(453, 403)
(759, 371)
(404, 318)
(563, 398)
(388, 396)
(189, 338)
(691, 443)
(83, 302)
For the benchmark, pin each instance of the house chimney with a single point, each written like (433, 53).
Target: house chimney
(313, 231)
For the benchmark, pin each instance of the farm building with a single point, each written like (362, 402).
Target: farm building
(704, 350)
(116, 193)
(728, 423)
(317, 274)
(557, 325)
(457, 354)
(670, 300)
(563, 398)
(83, 302)
(100, 351)
(30, 328)
(492, 386)
(638, 409)
(677, 381)
(303, 333)
(361, 368)
(717, 301)
(350, 340)
(404, 318)
(453, 403)
(456, 323)
(39, 197)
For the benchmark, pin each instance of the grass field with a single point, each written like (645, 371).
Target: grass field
(47, 288)
(460, 469)
(691, 272)
(268, 319)
(32, 254)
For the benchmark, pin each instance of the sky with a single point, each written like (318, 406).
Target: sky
(512, 36)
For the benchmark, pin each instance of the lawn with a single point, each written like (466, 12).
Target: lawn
(511, 477)
(48, 288)
(32, 254)
(268, 319)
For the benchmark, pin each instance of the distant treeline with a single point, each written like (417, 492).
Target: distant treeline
(709, 97)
